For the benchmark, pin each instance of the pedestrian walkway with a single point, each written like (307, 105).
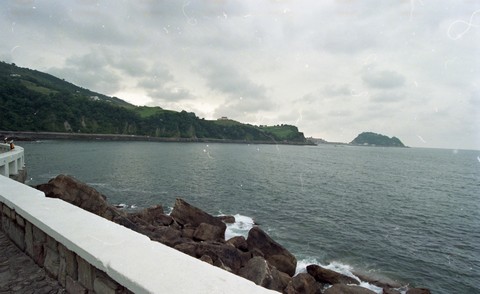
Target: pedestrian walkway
(20, 274)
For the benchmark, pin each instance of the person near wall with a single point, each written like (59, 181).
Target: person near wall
(12, 146)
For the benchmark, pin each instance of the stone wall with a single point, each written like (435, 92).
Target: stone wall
(74, 273)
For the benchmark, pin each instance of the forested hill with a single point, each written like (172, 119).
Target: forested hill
(35, 101)
(373, 139)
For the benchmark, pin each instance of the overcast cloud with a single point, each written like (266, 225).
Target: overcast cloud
(408, 69)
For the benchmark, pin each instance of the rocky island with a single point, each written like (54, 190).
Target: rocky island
(373, 139)
(194, 232)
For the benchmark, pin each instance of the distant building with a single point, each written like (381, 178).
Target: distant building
(223, 118)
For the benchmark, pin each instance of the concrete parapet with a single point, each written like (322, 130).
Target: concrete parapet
(12, 162)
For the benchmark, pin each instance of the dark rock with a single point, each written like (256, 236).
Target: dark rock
(164, 219)
(273, 252)
(207, 232)
(346, 289)
(256, 270)
(261, 273)
(228, 219)
(390, 291)
(324, 275)
(188, 232)
(280, 280)
(418, 291)
(166, 235)
(185, 213)
(219, 263)
(289, 289)
(189, 248)
(228, 255)
(238, 242)
(380, 281)
(304, 283)
(124, 221)
(80, 194)
(149, 215)
(77, 193)
(207, 259)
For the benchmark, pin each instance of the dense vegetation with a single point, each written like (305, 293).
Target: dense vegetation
(373, 139)
(34, 101)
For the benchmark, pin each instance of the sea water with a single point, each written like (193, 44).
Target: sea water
(408, 214)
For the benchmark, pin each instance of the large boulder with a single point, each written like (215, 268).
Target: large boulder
(189, 248)
(166, 235)
(221, 253)
(346, 289)
(273, 252)
(80, 194)
(324, 275)
(238, 242)
(186, 214)
(261, 273)
(208, 232)
(303, 283)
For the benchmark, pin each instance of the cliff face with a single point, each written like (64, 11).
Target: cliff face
(373, 139)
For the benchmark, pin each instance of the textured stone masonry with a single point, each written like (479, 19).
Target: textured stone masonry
(71, 271)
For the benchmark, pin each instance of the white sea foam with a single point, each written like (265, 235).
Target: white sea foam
(242, 225)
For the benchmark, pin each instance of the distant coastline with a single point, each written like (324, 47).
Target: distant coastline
(33, 136)
(365, 139)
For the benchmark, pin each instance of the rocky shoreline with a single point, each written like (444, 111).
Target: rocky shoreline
(192, 231)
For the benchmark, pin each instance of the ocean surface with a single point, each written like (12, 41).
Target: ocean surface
(408, 214)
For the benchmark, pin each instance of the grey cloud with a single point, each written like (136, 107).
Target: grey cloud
(243, 108)
(99, 80)
(169, 94)
(383, 79)
(91, 70)
(475, 98)
(346, 39)
(228, 80)
(308, 98)
(335, 90)
(81, 22)
(6, 57)
(388, 96)
(156, 77)
(340, 113)
(243, 95)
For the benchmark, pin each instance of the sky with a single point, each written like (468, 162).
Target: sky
(404, 68)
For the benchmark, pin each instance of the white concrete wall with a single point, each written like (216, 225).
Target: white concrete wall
(129, 258)
(11, 161)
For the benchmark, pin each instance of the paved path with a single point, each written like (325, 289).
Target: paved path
(20, 274)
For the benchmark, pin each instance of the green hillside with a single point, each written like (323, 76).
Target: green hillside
(35, 101)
